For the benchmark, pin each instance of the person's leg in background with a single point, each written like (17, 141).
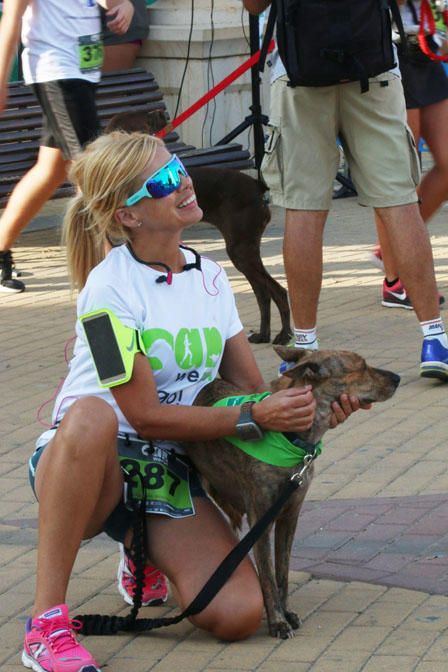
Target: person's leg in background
(430, 123)
(385, 168)
(301, 160)
(120, 56)
(433, 189)
(411, 247)
(28, 197)
(69, 121)
(302, 254)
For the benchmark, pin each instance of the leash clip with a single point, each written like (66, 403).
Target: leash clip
(298, 477)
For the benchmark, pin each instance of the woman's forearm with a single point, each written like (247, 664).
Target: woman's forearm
(187, 423)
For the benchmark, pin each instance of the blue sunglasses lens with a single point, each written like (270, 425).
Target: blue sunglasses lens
(162, 183)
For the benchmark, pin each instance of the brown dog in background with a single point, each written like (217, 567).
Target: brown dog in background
(235, 203)
(241, 484)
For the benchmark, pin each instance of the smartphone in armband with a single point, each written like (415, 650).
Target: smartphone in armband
(113, 346)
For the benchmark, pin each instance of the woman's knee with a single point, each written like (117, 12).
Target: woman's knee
(89, 422)
(236, 617)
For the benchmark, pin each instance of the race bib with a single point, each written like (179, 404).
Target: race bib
(91, 52)
(159, 474)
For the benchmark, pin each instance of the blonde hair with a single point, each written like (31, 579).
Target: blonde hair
(105, 174)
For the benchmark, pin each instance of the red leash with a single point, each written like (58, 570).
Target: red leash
(427, 19)
(213, 92)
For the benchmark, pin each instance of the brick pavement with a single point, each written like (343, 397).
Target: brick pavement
(369, 570)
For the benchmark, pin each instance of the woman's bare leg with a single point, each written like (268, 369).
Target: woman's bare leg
(78, 484)
(188, 551)
(433, 188)
(31, 193)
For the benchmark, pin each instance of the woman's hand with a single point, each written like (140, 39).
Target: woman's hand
(290, 410)
(120, 17)
(344, 408)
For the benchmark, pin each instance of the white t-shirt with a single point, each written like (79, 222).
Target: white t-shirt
(407, 17)
(53, 32)
(184, 327)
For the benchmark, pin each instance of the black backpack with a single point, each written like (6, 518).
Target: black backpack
(325, 42)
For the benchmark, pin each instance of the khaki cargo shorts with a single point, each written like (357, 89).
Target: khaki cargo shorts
(301, 155)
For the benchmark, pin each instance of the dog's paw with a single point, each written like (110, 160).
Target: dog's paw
(293, 620)
(259, 338)
(281, 630)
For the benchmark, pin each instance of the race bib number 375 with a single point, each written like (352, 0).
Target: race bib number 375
(91, 52)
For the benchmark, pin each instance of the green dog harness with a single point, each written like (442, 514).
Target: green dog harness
(275, 447)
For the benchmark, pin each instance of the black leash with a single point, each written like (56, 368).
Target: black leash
(97, 624)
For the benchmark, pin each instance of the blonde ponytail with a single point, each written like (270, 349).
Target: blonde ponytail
(105, 174)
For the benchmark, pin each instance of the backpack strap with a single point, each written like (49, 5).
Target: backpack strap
(396, 15)
(415, 16)
(267, 36)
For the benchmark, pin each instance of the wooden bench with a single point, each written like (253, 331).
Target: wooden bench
(20, 128)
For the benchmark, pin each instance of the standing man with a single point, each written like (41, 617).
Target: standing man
(61, 59)
(299, 166)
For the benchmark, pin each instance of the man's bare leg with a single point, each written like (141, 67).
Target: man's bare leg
(302, 252)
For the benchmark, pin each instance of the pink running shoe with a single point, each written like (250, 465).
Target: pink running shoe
(155, 587)
(397, 297)
(51, 646)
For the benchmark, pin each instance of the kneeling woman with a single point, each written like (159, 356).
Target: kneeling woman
(174, 314)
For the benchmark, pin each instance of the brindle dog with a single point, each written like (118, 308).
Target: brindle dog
(236, 204)
(242, 485)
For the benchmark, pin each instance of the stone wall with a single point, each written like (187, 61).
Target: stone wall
(218, 44)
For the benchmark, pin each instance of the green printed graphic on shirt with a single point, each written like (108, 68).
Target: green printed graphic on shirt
(91, 52)
(274, 448)
(192, 348)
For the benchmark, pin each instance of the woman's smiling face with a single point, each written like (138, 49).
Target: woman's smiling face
(170, 213)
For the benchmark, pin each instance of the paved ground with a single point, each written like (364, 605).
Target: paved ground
(370, 561)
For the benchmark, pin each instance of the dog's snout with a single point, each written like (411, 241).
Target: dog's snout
(396, 379)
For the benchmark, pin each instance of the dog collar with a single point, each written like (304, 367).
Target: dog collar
(275, 448)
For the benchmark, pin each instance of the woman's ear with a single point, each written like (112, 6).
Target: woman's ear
(125, 217)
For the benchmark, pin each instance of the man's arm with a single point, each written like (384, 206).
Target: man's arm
(10, 27)
(256, 6)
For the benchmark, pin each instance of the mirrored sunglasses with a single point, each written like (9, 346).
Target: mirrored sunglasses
(161, 183)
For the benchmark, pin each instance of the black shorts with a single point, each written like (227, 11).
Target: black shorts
(70, 117)
(424, 83)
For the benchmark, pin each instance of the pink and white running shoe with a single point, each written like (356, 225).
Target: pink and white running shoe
(51, 646)
(155, 586)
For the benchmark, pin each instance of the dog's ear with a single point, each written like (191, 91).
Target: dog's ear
(307, 371)
(290, 354)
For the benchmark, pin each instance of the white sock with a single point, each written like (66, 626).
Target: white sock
(306, 339)
(435, 329)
